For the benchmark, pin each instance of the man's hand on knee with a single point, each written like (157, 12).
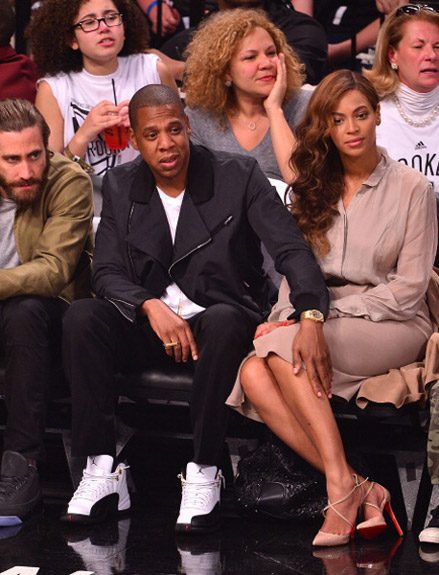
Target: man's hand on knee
(174, 331)
(310, 352)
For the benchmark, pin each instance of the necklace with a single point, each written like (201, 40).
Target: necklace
(251, 125)
(422, 123)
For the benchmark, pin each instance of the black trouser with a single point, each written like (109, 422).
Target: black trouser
(99, 342)
(30, 334)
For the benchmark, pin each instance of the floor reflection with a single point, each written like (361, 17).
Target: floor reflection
(145, 544)
(201, 556)
(102, 550)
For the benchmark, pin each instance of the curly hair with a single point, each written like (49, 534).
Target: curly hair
(319, 184)
(382, 76)
(211, 50)
(51, 33)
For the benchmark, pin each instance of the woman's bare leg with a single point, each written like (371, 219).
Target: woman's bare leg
(262, 390)
(317, 424)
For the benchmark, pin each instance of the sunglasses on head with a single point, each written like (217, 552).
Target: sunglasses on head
(414, 9)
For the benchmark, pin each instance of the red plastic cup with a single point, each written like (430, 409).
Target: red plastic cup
(117, 137)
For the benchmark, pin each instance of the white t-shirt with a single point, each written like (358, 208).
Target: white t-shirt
(173, 297)
(78, 92)
(415, 147)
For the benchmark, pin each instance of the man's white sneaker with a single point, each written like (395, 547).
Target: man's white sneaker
(200, 499)
(101, 493)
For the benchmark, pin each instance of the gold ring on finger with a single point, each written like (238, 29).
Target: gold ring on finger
(171, 344)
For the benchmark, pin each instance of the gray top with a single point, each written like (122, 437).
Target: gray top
(8, 249)
(206, 131)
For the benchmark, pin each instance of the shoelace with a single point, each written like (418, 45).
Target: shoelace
(94, 484)
(196, 495)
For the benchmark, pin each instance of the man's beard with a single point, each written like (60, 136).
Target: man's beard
(22, 197)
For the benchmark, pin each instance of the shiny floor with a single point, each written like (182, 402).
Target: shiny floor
(143, 542)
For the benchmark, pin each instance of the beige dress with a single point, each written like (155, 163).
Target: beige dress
(377, 271)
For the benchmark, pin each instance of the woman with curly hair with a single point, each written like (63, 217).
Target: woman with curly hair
(372, 224)
(406, 75)
(243, 89)
(91, 54)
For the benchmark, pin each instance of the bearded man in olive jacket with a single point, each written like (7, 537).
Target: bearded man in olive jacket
(45, 247)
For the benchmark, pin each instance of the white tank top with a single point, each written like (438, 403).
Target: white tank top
(78, 92)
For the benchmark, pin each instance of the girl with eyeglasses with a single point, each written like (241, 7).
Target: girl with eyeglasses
(91, 54)
(406, 76)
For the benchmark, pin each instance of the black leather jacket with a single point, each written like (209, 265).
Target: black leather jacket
(229, 207)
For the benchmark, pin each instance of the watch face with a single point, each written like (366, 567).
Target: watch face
(313, 314)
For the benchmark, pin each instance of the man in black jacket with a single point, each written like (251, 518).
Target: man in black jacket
(178, 276)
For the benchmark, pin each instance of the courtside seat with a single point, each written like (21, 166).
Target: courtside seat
(378, 428)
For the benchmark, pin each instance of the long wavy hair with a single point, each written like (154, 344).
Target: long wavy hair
(211, 50)
(316, 161)
(382, 76)
(51, 34)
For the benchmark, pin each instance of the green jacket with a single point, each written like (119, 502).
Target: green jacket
(54, 238)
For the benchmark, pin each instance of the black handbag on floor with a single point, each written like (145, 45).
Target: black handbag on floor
(274, 481)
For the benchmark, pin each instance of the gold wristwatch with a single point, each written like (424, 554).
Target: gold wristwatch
(313, 314)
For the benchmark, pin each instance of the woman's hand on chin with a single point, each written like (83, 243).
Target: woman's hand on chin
(276, 97)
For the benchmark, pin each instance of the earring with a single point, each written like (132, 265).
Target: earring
(228, 83)
(394, 66)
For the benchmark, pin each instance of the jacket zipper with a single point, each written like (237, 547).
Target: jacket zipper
(128, 231)
(113, 301)
(216, 229)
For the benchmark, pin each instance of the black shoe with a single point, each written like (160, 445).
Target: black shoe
(20, 492)
(430, 534)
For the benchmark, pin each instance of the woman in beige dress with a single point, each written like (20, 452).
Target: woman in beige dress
(372, 223)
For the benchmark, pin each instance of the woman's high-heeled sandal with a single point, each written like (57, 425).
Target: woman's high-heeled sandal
(373, 527)
(325, 539)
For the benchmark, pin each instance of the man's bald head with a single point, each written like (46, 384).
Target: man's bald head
(153, 95)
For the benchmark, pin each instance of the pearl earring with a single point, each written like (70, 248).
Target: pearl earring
(394, 66)
(228, 83)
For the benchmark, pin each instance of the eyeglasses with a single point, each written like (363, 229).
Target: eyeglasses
(92, 24)
(414, 9)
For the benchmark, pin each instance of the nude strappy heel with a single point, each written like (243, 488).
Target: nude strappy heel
(373, 527)
(325, 539)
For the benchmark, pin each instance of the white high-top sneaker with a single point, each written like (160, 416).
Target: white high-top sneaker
(101, 493)
(200, 499)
